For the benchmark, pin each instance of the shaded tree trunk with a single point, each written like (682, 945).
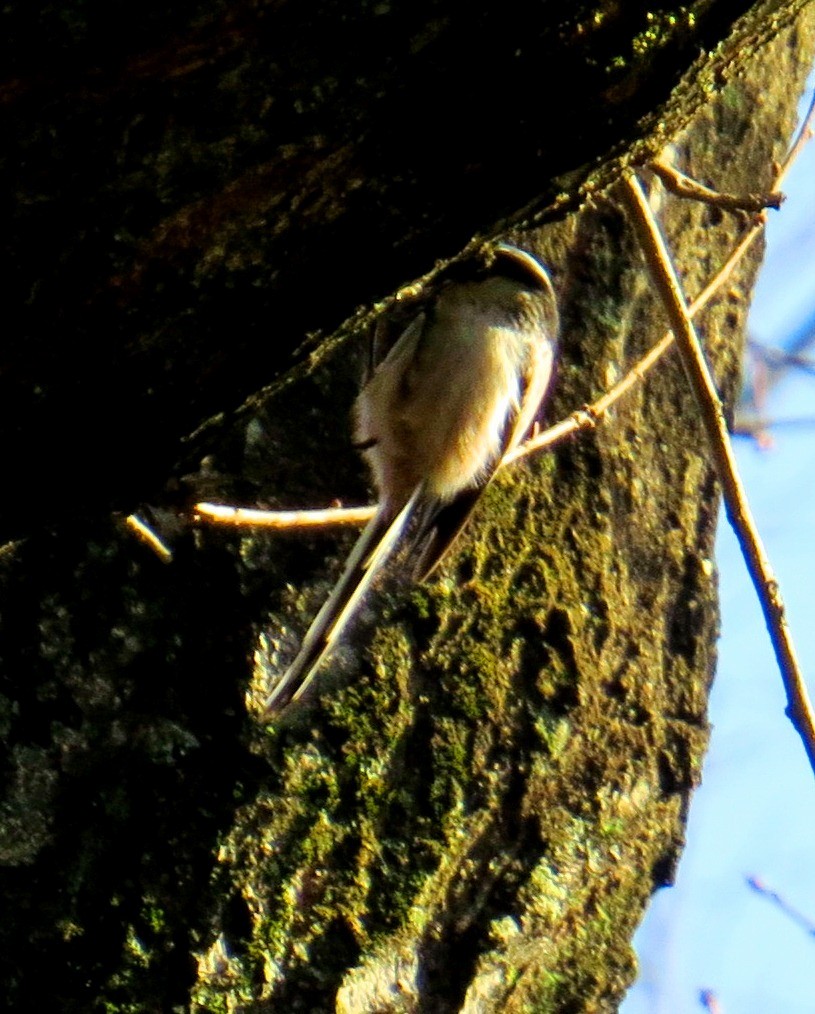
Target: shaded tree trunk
(494, 779)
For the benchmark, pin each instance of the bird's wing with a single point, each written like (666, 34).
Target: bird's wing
(441, 523)
(371, 551)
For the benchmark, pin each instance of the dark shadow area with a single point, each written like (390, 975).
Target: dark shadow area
(122, 759)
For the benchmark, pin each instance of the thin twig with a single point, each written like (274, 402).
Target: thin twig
(243, 517)
(588, 417)
(789, 910)
(738, 511)
(805, 134)
(145, 534)
(681, 185)
(780, 359)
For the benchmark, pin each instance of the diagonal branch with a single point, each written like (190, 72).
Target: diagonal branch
(667, 284)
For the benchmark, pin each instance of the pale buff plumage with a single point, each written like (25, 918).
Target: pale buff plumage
(460, 387)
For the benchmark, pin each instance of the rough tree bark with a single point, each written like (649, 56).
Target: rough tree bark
(474, 813)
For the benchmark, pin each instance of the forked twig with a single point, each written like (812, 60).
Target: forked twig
(587, 418)
(738, 511)
(685, 186)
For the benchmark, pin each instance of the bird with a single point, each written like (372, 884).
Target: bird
(460, 387)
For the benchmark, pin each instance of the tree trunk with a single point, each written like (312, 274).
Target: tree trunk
(472, 814)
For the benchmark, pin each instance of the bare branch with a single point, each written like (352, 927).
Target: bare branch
(805, 134)
(242, 517)
(145, 534)
(682, 185)
(588, 417)
(667, 284)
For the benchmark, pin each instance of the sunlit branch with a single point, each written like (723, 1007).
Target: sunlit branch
(738, 511)
(684, 186)
(243, 517)
(145, 534)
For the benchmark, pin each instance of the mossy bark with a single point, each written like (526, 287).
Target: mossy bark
(472, 814)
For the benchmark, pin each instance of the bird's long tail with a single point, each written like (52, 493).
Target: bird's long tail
(372, 550)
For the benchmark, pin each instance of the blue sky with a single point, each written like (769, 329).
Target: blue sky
(755, 811)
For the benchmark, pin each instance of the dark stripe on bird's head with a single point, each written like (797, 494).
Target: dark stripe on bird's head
(512, 262)
(504, 260)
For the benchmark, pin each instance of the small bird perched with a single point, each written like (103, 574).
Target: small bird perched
(459, 388)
